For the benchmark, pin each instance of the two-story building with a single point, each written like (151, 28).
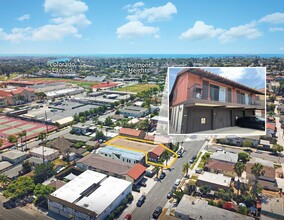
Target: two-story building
(201, 100)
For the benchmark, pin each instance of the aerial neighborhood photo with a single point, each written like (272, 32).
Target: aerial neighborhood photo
(158, 110)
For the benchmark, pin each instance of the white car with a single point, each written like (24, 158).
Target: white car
(177, 182)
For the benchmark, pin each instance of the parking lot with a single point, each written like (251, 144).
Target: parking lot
(55, 112)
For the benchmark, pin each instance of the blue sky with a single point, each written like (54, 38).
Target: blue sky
(133, 27)
(249, 76)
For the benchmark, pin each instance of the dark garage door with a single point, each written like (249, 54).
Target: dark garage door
(236, 113)
(199, 119)
(222, 118)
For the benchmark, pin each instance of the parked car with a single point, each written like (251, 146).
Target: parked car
(251, 122)
(198, 171)
(248, 150)
(157, 212)
(141, 200)
(177, 182)
(142, 184)
(170, 195)
(258, 152)
(128, 217)
(162, 176)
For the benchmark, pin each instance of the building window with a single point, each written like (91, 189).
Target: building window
(214, 92)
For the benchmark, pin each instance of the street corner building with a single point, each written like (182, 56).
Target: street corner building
(202, 101)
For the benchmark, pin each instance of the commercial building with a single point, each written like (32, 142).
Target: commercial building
(214, 181)
(90, 196)
(16, 96)
(124, 155)
(198, 209)
(4, 165)
(134, 111)
(201, 100)
(110, 167)
(47, 153)
(272, 209)
(14, 156)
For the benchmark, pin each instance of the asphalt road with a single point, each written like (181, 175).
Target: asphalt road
(158, 194)
(264, 155)
(18, 214)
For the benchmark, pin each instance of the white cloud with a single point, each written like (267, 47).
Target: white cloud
(53, 32)
(133, 8)
(65, 8)
(233, 73)
(248, 31)
(24, 17)
(275, 29)
(68, 18)
(275, 18)
(199, 31)
(134, 29)
(154, 14)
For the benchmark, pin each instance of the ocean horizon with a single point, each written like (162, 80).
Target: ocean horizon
(157, 56)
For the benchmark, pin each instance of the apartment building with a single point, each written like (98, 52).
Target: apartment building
(201, 100)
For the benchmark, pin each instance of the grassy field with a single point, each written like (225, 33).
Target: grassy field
(201, 164)
(137, 88)
(77, 82)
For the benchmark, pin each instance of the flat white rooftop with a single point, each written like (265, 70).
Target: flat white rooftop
(73, 189)
(47, 151)
(218, 179)
(109, 190)
(103, 191)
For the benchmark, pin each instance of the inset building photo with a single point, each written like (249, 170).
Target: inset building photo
(217, 100)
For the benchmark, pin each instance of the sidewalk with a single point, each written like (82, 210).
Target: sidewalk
(143, 190)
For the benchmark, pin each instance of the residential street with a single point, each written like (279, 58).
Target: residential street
(158, 195)
(264, 155)
(18, 214)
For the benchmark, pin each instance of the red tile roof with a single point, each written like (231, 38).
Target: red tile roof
(20, 90)
(130, 132)
(157, 138)
(136, 171)
(219, 165)
(158, 150)
(230, 206)
(5, 93)
(105, 85)
(270, 126)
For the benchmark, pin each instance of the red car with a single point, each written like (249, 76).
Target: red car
(127, 217)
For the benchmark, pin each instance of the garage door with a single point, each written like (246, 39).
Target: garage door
(222, 118)
(236, 113)
(199, 119)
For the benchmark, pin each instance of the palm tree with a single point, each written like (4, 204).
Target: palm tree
(166, 156)
(277, 148)
(257, 170)
(42, 135)
(239, 168)
(185, 168)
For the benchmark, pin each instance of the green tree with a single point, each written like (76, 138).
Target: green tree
(239, 168)
(42, 136)
(82, 119)
(143, 125)
(185, 168)
(43, 172)
(244, 157)
(277, 148)
(246, 143)
(12, 138)
(205, 189)
(99, 135)
(41, 95)
(166, 156)
(4, 180)
(257, 170)
(20, 187)
(26, 167)
(108, 121)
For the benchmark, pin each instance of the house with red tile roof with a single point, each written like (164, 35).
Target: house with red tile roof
(105, 85)
(133, 133)
(17, 96)
(156, 153)
(118, 169)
